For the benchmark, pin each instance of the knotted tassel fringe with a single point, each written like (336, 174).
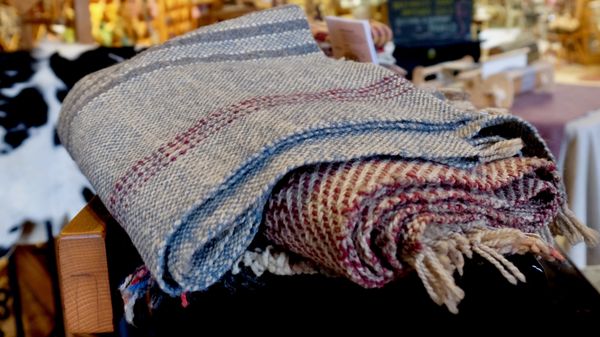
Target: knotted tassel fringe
(275, 262)
(141, 285)
(567, 225)
(440, 258)
(133, 288)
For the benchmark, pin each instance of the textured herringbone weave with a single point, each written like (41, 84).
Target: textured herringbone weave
(370, 219)
(185, 141)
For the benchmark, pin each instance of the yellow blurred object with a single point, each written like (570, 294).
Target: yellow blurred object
(7, 319)
(25, 22)
(577, 30)
(142, 22)
(9, 28)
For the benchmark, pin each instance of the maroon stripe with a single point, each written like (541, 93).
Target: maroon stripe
(146, 168)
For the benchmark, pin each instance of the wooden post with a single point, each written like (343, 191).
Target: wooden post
(83, 23)
(83, 273)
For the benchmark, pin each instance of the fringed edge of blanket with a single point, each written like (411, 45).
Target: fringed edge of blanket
(275, 262)
(435, 263)
(439, 258)
(567, 225)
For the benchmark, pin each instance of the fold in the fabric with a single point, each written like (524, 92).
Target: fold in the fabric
(185, 142)
(373, 220)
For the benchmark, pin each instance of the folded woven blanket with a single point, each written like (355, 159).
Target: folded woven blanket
(185, 142)
(372, 220)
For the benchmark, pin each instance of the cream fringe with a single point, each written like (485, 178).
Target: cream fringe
(567, 225)
(275, 262)
(436, 262)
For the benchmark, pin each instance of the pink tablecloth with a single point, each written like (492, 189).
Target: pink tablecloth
(550, 112)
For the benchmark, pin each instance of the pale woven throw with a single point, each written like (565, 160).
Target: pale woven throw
(184, 142)
(373, 220)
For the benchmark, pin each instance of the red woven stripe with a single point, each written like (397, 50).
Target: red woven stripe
(146, 168)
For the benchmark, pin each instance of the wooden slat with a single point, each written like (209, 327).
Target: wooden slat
(83, 273)
(36, 292)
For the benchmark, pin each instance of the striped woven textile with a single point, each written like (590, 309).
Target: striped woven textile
(185, 142)
(373, 220)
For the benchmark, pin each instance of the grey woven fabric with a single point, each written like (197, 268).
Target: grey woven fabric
(185, 142)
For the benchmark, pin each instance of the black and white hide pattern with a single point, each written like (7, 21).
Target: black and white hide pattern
(39, 182)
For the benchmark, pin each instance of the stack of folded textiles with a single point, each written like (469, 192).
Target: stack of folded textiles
(341, 168)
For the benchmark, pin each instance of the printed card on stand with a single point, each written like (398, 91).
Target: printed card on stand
(351, 39)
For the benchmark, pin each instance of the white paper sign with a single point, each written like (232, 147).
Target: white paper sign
(351, 39)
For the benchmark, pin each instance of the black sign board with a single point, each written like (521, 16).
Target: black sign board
(422, 22)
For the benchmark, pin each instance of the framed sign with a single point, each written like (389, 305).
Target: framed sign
(421, 22)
